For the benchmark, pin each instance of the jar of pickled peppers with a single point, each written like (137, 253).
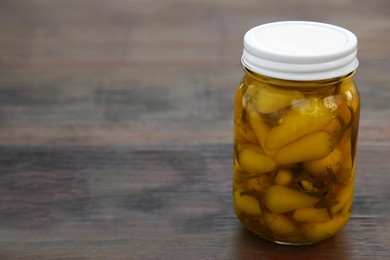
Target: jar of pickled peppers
(295, 131)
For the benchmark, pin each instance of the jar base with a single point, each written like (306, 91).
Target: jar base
(284, 243)
(292, 244)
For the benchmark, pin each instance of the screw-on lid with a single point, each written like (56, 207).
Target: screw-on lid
(299, 50)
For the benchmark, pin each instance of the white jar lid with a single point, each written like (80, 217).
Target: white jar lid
(300, 50)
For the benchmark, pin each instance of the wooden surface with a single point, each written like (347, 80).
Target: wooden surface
(116, 128)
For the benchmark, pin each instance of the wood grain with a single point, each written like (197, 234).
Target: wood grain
(159, 202)
(116, 128)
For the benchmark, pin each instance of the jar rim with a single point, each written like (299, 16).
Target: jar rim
(286, 83)
(300, 50)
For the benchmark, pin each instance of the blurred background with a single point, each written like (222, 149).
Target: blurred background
(116, 127)
(157, 72)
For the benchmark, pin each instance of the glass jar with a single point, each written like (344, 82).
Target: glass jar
(295, 131)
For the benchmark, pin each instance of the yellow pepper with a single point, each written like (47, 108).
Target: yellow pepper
(306, 117)
(344, 112)
(279, 224)
(283, 177)
(281, 199)
(255, 162)
(255, 147)
(345, 172)
(346, 211)
(342, 197)
(322, 230)
(311, 215)
(261, 130)
(242, 131)
(321, 166)
(351, 94)
(344, 202)
(313, 146)
(246, 204)
(334, 128)
(268, 100)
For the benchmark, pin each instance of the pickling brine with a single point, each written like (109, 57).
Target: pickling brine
(295, 144)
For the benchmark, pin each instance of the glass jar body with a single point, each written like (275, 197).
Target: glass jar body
(294, 156)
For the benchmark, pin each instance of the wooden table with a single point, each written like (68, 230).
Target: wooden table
(116, 129)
